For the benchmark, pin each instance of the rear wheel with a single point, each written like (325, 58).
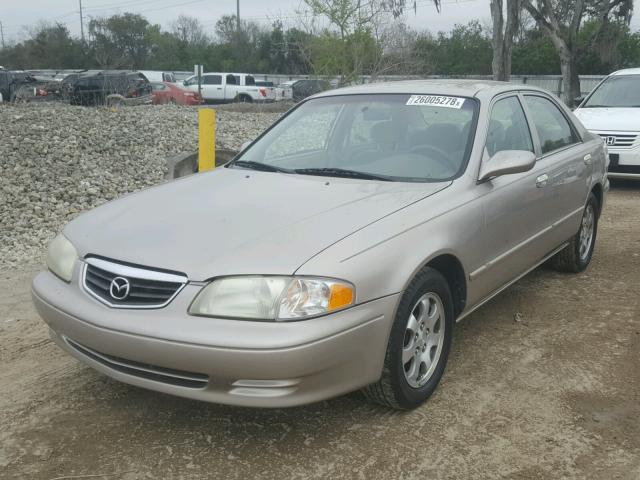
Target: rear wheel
(577, 255)
(242, 98)
(418, 345)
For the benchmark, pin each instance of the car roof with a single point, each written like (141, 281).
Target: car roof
(627, 71)
(456, 87)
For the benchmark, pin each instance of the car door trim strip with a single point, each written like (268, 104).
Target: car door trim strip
(492, 263)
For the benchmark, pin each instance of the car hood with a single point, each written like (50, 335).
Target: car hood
(610, 119)
(234, 221)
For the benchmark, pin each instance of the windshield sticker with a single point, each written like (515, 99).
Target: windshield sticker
(436, 101)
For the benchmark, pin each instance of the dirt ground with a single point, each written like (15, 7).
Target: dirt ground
(553, 392)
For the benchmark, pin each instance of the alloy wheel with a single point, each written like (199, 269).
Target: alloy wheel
(423, 339)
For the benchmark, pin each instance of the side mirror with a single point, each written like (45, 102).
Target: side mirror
(244, 146)
(507, 162)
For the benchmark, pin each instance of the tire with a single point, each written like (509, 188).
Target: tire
(243, 99)
(399, 387)
(576, 256)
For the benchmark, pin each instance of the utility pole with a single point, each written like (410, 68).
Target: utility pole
(81, 22)
(2, 34)
(238, 15)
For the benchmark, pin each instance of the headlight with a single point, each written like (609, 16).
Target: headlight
(61, 257)
(272, 298)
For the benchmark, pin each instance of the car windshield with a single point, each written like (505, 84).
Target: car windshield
(616, 91)
(395, 137)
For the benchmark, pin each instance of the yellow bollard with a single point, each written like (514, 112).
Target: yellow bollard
(206, 139)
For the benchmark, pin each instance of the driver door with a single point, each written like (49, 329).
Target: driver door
(515, 220)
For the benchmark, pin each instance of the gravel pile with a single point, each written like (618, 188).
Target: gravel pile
(58, 160)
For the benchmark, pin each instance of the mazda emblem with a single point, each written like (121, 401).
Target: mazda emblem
(119, 288)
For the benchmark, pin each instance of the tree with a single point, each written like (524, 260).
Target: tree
(48, 46)
(503, 35)
(189, 30)
(466, 50)
(349, 48)
(562, 22)
(120, 40)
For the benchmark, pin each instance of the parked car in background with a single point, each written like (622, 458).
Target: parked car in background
(228, 87)
(349, 239)
(612, 110)
(109, 87)
(298, 90)
(157, 76)
(166, 92)
(16, 85)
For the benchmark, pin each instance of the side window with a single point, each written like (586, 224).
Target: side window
(231, 80)
(553, 128)
(249, 80)
(211, 80)
(508, 128)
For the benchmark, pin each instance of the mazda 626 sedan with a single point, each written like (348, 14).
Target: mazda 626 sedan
(335, 252)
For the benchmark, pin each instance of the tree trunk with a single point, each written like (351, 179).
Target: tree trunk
(570, 78)
(502, 39)
(497, 41)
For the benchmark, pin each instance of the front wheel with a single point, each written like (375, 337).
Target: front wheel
(418, 345)
(576, 256)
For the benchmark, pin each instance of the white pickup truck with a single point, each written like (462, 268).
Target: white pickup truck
(228, 87)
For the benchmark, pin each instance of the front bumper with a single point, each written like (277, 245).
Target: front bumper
(258, 364)
(624, 162)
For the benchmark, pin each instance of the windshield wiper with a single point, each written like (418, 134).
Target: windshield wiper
(261, 167)
(341, 172)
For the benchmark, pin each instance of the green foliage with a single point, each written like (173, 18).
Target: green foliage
(120, 41)
(130, 41)
(466, 50)
(50, 46)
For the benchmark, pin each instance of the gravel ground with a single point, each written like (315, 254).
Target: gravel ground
(543, 382)
(57, 160)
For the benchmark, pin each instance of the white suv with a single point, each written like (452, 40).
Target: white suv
(612, 110)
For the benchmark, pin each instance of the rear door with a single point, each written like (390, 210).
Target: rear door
(566, 166)
(231, 84)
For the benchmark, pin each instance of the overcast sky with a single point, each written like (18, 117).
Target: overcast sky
(16, 14)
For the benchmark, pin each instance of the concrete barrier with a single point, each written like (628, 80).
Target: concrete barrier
(186, 163)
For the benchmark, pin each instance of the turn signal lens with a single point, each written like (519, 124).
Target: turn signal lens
(341, 296)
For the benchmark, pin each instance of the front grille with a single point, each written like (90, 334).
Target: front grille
(134, 287)
(619, 139)
(179, 378)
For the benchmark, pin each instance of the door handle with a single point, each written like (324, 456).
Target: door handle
(587, 159)
(542, 180)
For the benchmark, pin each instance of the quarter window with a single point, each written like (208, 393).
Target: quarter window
(553, 128)
(508, 128)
